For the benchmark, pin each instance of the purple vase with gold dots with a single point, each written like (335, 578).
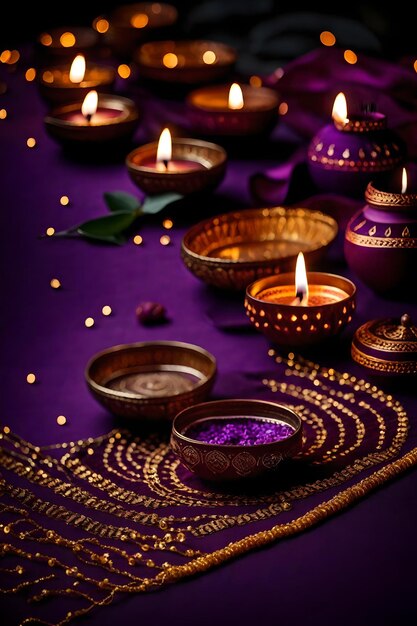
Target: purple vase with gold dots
(346, 154)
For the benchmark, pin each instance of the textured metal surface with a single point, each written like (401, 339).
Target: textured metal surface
(234, 249)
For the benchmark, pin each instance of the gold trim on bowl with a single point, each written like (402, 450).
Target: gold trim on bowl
(381, 365)
(388, 199)
(151, 380)
(234, 249)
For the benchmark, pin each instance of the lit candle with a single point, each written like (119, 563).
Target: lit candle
(404, 181)
(233, 109)
(93, 115)
(165, 162)
(60, 84)
(235, 99)
(301, 293)
(380, 243)
(182, 166)
(339, 111)
(296, 310)
(346, 153)
(98, 118)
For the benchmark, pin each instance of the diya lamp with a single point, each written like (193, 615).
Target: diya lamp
(381, 239)
(233, 110)
(296, 310)
(183, 165)
(98, 119)
(185, 62)
(129, 25)
(59, 45)
(345, 155)
(59, 85)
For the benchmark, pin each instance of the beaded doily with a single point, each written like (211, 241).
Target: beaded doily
(132, 518)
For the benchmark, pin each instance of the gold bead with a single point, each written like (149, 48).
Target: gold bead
(131, 561)
(163, 525)
(150, 563)
(51, 562)
(133, 534)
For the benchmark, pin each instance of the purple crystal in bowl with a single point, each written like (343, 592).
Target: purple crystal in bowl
(239, 431)
(226, 440)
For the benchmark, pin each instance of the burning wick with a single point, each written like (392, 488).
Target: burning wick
(301, 284)
(404, 181)
(164, 152)
(339, 112)
(89, 106)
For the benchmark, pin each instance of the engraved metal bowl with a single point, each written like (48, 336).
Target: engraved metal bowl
(211, 156)
(232, 250)
(115, 130)
(222, 462)
(151, 380)
(298, 325)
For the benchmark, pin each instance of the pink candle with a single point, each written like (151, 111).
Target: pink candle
(174, 165)
(101, 116)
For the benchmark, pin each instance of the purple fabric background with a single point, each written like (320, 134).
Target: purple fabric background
(358, 567)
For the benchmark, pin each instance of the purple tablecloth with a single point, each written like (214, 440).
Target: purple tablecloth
(358, 567)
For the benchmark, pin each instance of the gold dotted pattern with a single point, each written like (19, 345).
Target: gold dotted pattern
(150, 507)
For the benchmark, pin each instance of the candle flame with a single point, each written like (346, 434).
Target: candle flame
(235, 97)
(301, 283)
(164, 152)
(89, 106)
(339, 112)
(77, 70)
(404, 181)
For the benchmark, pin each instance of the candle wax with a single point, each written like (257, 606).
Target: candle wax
(101, 116)
(174, 165)
(319, 295)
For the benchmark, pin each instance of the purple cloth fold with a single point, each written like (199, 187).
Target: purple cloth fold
(309, 85)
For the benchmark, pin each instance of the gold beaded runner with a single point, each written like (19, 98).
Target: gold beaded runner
(95, 519)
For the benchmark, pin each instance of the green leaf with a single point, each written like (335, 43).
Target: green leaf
(154, 204)
(115, 239)
(121, 201)
(107, 226)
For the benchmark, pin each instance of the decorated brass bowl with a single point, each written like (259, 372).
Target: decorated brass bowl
(226, 461)
(234, 249)
(211, 160)
(151, 380)
(271, 308)
(185, 62)
(387, 346)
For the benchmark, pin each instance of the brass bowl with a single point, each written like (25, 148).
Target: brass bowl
(228, 462)
(121, 128)
(188, 66)
(234, 249)
(269, 308)
(210, 156)
(151, 380)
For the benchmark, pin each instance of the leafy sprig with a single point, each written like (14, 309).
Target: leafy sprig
(124, 209)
